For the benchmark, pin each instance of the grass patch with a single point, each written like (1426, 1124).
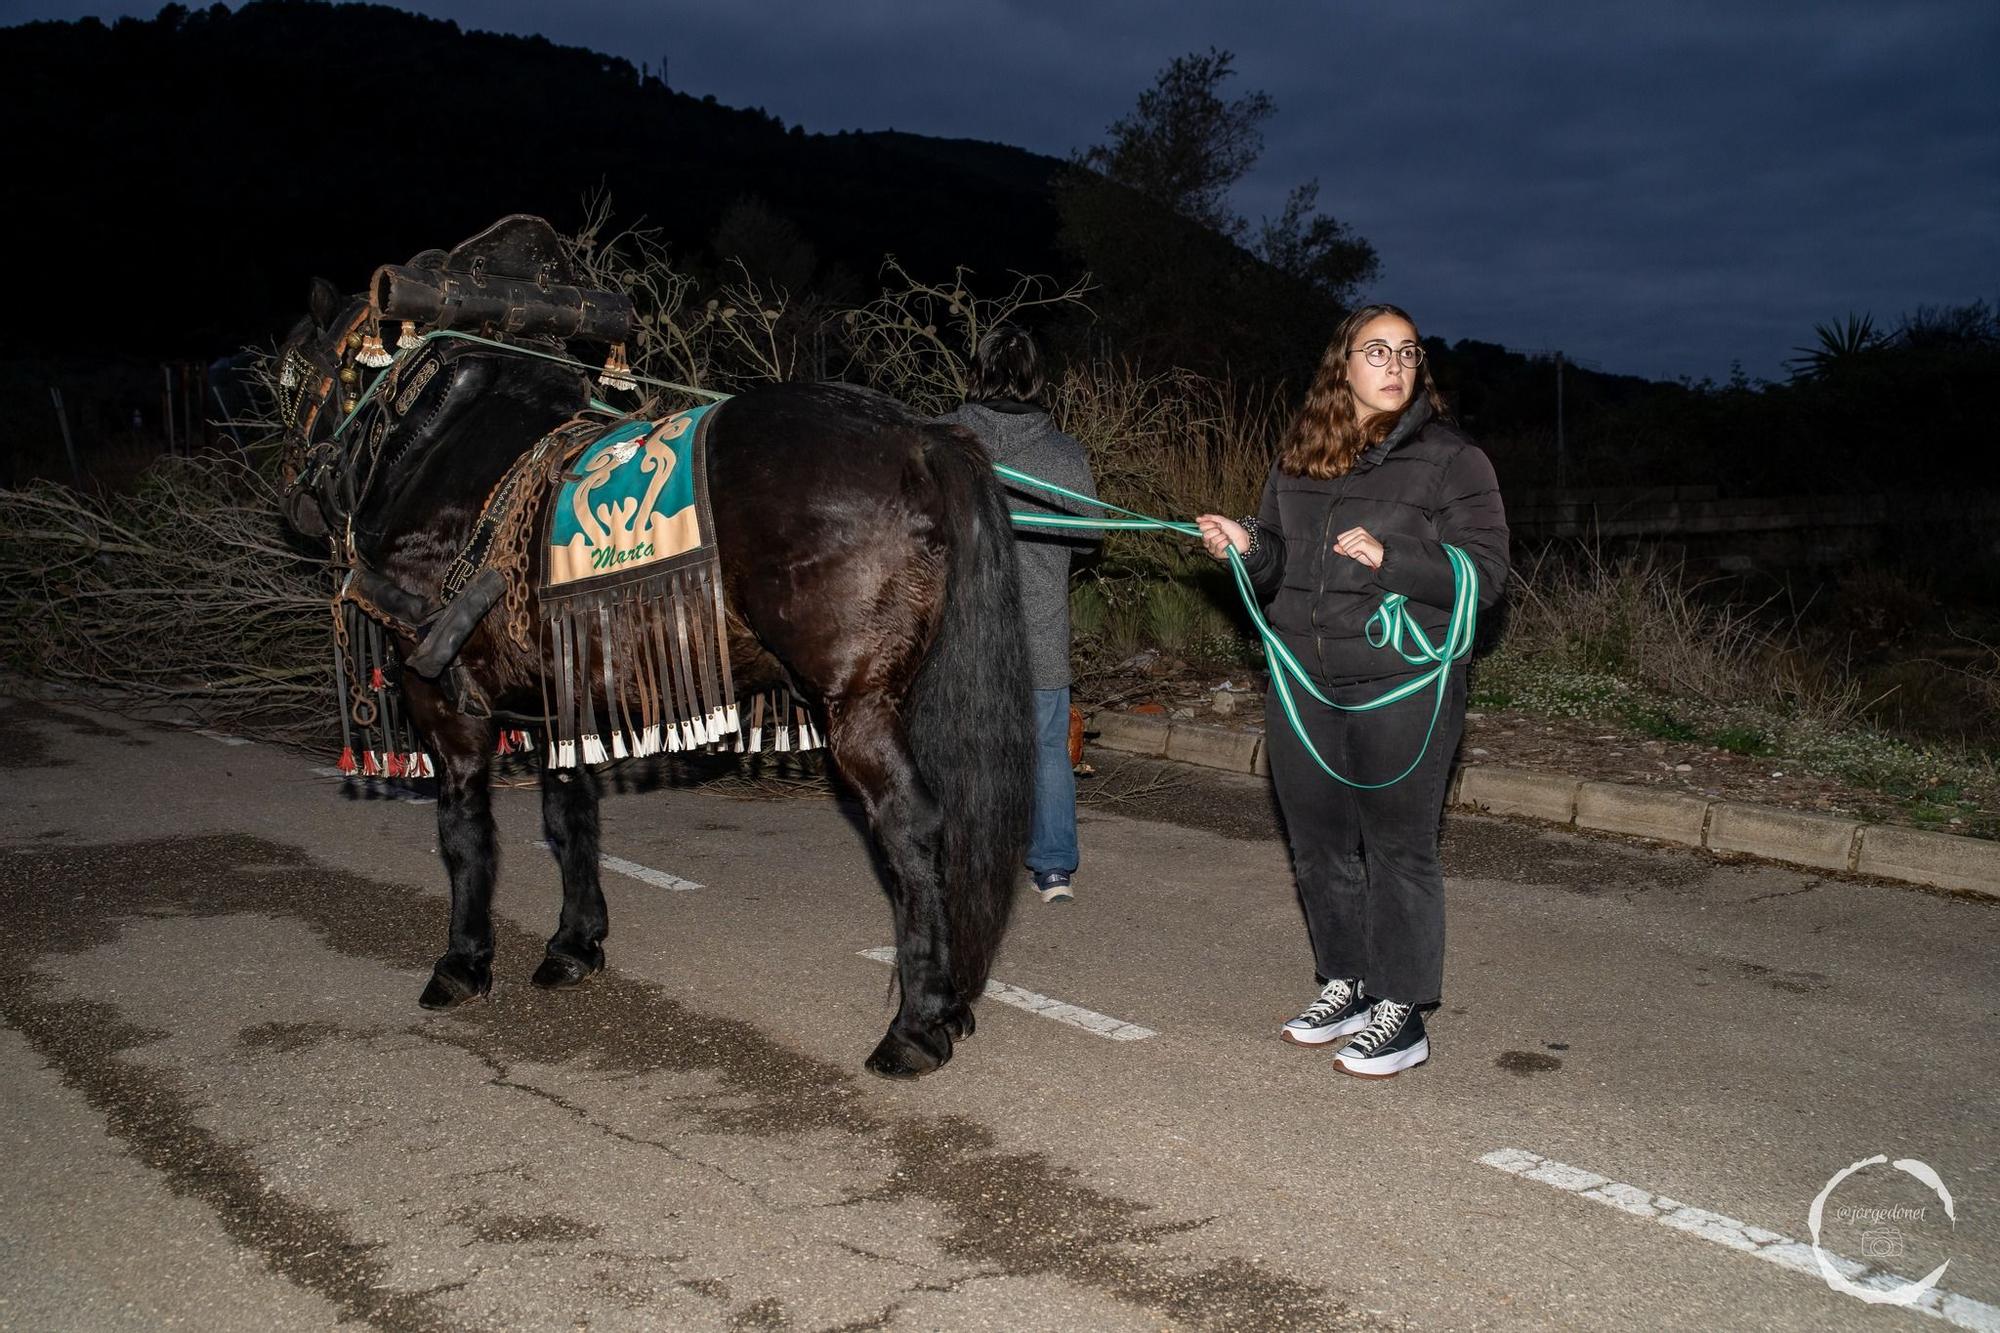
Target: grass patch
(1633, 644)
(1661, 725)
(1739, 739)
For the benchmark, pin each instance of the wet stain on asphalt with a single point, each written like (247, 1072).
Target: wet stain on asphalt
(1006, 1213)
(516, 1229)
(1587, 865)
(767, 1313)
(144, 1107)
(289, 1037)
(1525, 1063)
(1791, 982)
(24, 736)
(25, 741)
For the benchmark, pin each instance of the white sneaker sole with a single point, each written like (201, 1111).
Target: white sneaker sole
(1384, 1066)
(1056, 895)
(1321, 1036)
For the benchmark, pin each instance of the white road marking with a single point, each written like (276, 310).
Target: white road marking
(1769, 1246)
(218, 736)
(618, 865)
(1102, 1025)
(659, 879)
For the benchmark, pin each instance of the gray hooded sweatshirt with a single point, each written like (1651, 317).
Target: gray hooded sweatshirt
(1021, 436)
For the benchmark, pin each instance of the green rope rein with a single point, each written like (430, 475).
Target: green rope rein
(1391, 627)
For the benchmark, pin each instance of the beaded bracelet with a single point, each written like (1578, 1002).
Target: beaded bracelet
(1256, 542)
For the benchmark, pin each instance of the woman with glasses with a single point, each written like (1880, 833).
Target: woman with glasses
(1371, 482)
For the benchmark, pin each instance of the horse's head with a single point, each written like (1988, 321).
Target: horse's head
(319, 381)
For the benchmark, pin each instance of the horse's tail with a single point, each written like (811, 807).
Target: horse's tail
(971, 711)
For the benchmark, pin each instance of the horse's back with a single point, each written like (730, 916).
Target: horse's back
(831, 526)
(822, 432)
(810, 468)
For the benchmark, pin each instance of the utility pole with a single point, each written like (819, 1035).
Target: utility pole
(69, 444)
(1562, 453)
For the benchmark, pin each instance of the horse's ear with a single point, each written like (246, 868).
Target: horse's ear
(325, 302)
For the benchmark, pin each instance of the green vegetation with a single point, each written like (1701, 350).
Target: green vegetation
(1634, 644)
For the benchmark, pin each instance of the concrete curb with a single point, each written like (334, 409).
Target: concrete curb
(1821, 842)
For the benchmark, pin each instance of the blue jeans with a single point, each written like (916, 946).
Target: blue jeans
(1052, 830)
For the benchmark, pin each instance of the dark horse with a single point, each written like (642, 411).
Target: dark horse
(867, 563)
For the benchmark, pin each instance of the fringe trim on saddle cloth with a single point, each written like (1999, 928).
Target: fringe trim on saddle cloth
(647, 643)
(779, 722)
(655, 649)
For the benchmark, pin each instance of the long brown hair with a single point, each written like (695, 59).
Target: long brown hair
(1325, 439)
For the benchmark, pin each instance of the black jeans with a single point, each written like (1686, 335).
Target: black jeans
(1367, 861)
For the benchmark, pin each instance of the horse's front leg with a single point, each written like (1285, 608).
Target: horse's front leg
(463, 750)
(569, 822)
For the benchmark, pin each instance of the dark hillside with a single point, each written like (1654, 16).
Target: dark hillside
(177, 180)
(185, 173)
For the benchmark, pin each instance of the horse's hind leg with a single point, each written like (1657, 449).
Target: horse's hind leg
(569, 821)
(463, 748)
(866, 737)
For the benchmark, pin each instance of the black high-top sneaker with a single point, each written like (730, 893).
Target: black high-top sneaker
(1338, 1011)
(1391, 1042)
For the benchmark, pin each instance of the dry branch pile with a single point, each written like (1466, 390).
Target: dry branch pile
(184, 593)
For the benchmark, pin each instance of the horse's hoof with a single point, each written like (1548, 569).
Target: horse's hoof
(560, 971)
(910, 1054)
(453, 983)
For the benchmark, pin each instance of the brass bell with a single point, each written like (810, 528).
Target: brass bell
(349, 375)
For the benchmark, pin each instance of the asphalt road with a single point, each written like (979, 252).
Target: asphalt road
(223, 1109)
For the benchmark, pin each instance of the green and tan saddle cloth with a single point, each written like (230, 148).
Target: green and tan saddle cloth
(631, 596)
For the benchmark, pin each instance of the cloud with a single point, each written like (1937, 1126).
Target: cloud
(1663, 189)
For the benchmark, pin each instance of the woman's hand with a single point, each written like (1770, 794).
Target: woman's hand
(1356, 544)
(1219, 534)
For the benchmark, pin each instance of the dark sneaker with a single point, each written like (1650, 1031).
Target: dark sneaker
(1392, 1041)
(1053, 885)
(1338, 1011)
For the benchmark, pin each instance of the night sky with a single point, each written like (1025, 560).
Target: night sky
(1659, 189)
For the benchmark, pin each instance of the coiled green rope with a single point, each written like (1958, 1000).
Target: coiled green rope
(1392, 627)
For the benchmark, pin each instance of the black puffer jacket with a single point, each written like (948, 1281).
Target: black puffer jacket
(1421, 487)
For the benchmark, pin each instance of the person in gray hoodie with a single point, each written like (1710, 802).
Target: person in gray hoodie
(1006, 407)
(1371, 485)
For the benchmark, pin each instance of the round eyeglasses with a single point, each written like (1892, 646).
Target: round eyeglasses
(1378, 354)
